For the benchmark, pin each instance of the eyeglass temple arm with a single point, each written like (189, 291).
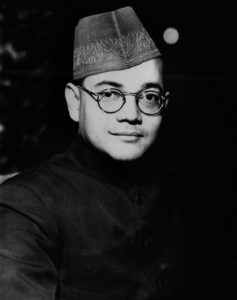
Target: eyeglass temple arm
(93, 95)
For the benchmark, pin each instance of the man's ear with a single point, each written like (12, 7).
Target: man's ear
(167, 99)
(72, 96)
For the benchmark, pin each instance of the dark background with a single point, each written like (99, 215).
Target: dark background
(199, 130)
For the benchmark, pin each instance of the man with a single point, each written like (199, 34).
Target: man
(91, 223)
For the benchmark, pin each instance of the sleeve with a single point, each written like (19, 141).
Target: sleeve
(29, 247)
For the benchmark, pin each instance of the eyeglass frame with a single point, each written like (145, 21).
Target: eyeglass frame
(96, 96)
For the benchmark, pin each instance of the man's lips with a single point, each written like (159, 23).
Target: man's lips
(126, 133)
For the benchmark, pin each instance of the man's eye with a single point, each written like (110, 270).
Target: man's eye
(151, 96)
(110, 94)
(107, 94)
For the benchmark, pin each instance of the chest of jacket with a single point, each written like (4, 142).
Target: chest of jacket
(111, 235)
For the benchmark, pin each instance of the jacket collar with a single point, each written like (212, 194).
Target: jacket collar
(84, 155)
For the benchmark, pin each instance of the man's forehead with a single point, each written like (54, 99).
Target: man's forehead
(149, 72)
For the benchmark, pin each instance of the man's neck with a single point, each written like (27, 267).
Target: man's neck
(145, 169)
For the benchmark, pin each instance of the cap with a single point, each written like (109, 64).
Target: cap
(111, 41)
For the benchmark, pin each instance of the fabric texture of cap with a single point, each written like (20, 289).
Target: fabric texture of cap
(111, 41)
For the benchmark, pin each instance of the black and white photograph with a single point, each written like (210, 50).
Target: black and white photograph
(118, 145)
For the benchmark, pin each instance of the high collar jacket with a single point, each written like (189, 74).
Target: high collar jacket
(82, 226)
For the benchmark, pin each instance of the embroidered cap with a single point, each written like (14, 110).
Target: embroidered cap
(111, 41)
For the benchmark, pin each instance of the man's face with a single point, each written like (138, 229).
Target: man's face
(127, 134)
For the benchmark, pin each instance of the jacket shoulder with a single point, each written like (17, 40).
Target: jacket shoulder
(43, 183)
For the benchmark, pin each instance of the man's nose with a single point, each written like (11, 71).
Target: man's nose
(129, 112)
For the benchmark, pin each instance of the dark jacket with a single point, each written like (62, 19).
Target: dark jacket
(82, 226)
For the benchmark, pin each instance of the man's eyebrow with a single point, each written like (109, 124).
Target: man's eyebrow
(108, 82)
(146, 85)
(150, 85)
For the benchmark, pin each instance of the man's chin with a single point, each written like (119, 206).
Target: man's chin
(124, 153)
(126, 156)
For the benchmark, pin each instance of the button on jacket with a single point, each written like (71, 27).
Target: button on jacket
(82, 226)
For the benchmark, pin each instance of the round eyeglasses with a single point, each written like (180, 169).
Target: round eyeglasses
(149, 102)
